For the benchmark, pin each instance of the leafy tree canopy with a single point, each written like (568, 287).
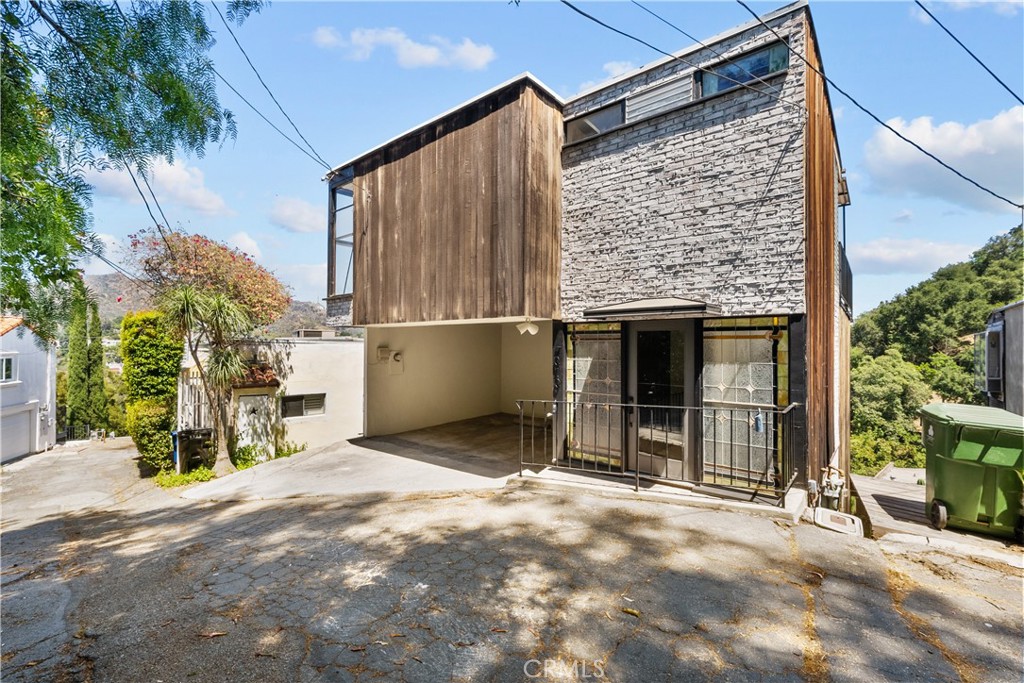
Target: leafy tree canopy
(955, 301)
(175, 260)
(91, 85)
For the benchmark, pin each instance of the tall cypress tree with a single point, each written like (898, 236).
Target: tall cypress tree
(97, 391)
(78, 362)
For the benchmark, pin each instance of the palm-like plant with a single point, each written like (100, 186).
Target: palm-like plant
(219, 321)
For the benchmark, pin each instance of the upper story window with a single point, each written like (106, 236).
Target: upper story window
(340, 255)
(748, 67)
(7, 369)
(595, 123)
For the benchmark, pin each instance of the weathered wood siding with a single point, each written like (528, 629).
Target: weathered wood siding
(820, 271)
(461, 220)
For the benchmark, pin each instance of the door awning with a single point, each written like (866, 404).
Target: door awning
(660, 308)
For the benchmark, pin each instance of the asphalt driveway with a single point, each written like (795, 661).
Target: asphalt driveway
(492, 584)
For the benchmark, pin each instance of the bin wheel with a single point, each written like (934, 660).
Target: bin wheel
(939, 516)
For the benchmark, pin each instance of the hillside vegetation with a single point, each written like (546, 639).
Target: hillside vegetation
(919, 346)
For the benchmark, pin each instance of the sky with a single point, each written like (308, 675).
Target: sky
(353, 75)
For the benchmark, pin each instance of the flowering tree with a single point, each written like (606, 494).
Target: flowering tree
(175, 259)
(210, 294)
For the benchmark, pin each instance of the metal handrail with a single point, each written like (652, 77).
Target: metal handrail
(768, 458)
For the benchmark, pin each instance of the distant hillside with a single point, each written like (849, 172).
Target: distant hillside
(117, 295)
(301, 315)
(956, 300)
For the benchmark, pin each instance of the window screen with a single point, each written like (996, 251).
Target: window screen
(306, 404)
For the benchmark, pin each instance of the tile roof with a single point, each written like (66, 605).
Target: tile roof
(257, 376)
(8, 323)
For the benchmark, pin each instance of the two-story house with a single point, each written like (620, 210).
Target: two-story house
(28, 390)
(659, 259)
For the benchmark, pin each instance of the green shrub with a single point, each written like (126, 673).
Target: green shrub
(249, 455)
(246, 456)
(169, 480)
(152, 357)
(149, 423)
(870, 452)
(288, 449)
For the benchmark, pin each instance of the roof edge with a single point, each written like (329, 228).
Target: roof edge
(524, 76)
(725, 35)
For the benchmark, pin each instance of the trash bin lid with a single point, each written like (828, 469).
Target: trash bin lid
(975, 416)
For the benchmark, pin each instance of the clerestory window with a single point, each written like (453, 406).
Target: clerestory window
(735, 72)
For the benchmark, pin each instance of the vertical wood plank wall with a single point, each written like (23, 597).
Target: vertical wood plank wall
(463, 221)
(820, 233)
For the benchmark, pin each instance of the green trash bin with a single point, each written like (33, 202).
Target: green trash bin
(974, 468)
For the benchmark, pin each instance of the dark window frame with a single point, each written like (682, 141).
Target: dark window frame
(698, 74)
(302, 401)
(620, 104)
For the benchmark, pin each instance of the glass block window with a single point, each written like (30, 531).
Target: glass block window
(594, 368)
(745, 379)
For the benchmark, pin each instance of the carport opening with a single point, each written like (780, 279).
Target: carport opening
(420, 376)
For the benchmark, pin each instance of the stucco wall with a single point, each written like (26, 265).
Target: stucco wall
(704, 202)
(445, 373)
(525, 365)
(333, 367)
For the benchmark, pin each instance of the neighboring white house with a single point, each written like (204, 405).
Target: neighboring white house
(28, 391)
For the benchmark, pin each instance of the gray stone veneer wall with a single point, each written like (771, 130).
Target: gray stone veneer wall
(704, 202)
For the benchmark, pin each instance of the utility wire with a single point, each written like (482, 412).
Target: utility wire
(159, 228)
(968, 51)
(265, 86)
(133, 278)
(269, 122)
(880, 121)
(704, 45)
(676, 57)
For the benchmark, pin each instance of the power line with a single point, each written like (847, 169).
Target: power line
(122, 271)
(159, 228)
(968, 51)
(265, 86)
(676, 57)
(880, 121)
(705, 45)
(269, 122)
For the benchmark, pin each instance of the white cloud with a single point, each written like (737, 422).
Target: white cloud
(91, 265)
(989, 151)
(410, 54)
(1006, 9)
(903, 216)
(889, 256)
(611, 70)
(178, 182)
(307, 280)
(326, 37)
(246, 243)
(297, 215)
